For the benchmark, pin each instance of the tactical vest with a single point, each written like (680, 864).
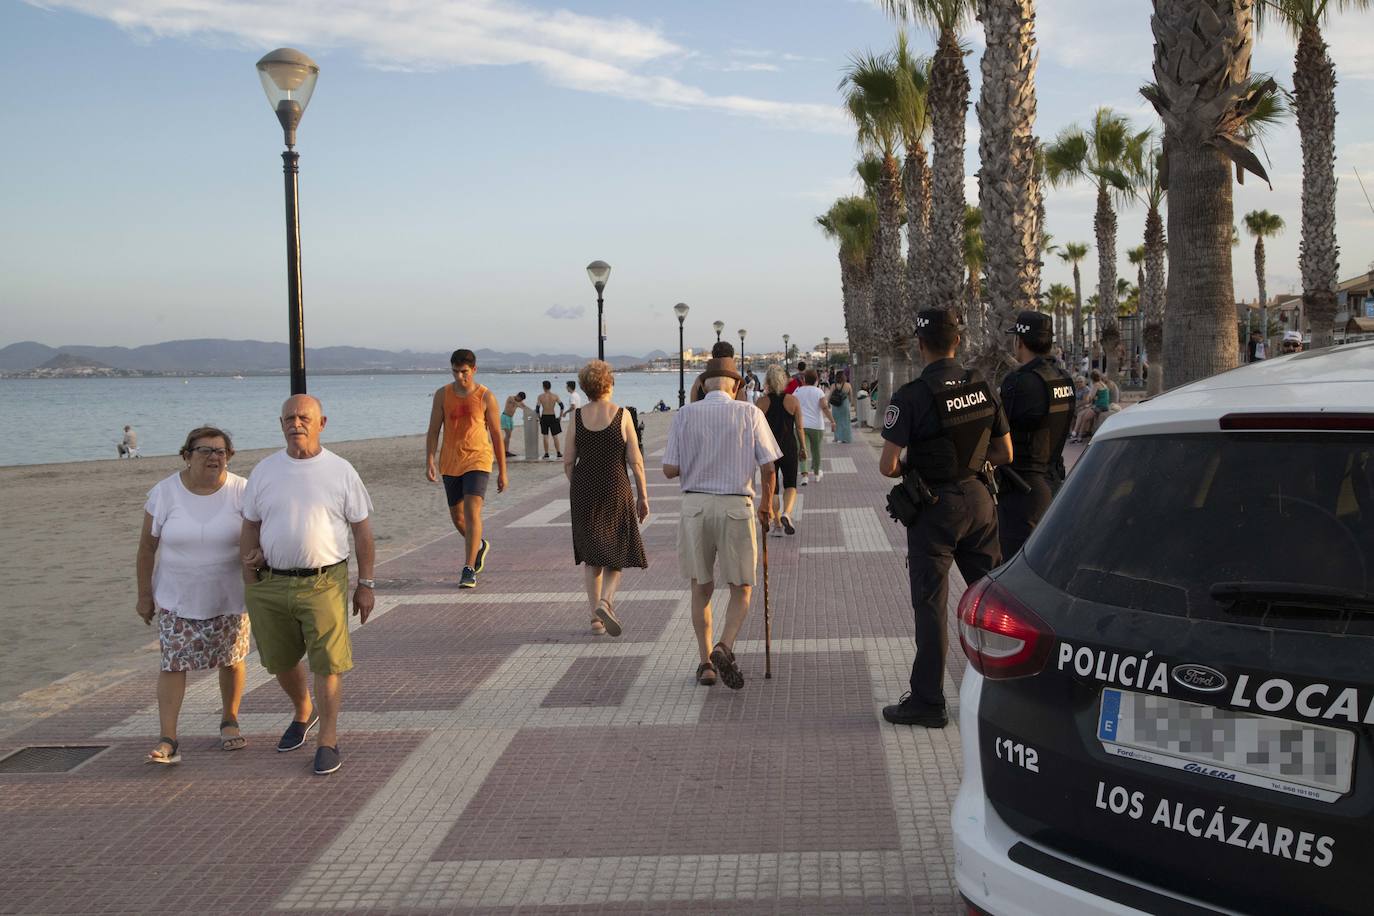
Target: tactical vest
(967, 411)
(1038, 445)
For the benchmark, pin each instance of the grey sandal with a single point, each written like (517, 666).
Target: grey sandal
(155, 756)
(231, 742)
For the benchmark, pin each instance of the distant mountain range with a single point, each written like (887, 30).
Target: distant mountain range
(217, 356)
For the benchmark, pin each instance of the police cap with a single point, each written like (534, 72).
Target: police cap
(935, 322)
(1033, 327)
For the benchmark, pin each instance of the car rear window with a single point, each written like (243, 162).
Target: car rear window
(1153, 522)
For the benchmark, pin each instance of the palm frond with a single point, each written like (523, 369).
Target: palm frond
(1294, 15)
(951, 16)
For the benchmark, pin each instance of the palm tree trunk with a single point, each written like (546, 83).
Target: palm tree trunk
(1153, 294)
(1314, 89)
(889, 306)
(948, 98)
(1199, 340)
(1263, 298)
(1009, 192)
(1078, 350)
(916, 189)
(1104, 225)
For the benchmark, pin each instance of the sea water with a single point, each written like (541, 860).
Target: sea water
(43, 421)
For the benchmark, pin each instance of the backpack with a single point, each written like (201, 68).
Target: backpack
(837, 396)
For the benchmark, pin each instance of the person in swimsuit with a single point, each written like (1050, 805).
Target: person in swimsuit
(465, 412)
(550, 409)
(508, 418)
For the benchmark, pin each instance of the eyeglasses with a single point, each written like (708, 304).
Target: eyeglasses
(206, 451)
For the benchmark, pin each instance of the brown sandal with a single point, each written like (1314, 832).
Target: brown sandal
(706, 674)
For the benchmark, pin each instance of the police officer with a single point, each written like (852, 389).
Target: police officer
(1039, 402)
(949, 422)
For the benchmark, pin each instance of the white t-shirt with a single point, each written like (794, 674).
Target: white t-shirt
(197, 574)
(575, 400)
(306, 506)
(810, 397)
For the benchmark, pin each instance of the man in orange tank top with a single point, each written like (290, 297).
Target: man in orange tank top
(469, 419)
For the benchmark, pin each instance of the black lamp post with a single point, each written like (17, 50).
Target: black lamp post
(681, 311)
(827, 354)
(786, 363)
(719, 326)
(288, 77)
(743, 366)
(599, 272)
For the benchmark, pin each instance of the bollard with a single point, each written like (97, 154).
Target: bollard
(532, 451)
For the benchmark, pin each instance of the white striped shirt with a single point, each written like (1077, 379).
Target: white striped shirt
(718, 443)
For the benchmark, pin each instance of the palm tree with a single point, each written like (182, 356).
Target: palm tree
(1150, 187)
(1073, 253)
(853, 222)
(1059, 297)
(1009, 180)
(1314, 96)
(1262, 224)
(873, 99)
(1103, 155)
(1203, 93)
(974, 260)
(914, 83)
(1136, 256)
(948, 101)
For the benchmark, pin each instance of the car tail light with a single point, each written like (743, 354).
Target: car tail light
(1332, 421)
(1001, 637)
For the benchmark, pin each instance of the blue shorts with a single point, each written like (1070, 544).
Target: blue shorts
(473, 483)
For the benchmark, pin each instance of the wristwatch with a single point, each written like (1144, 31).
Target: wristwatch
(369, 583)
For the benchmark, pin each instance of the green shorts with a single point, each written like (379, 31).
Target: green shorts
(507, 422)
(295, 616)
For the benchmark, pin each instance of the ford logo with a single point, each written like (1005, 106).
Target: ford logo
(1199, 677)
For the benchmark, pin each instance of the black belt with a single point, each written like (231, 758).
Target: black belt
(302, 573)
(703, 493)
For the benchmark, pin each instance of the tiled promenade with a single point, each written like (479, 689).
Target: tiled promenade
(498, 757)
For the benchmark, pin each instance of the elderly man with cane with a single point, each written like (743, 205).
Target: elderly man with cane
(714, 446)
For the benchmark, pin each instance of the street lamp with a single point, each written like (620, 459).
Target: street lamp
(827, 353)
(743, 366)
(599, 272)
(680, 310)
(786, 363)
(719, 326)
(288, 77)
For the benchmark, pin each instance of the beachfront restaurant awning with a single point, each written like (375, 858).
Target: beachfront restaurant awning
(1360, 326)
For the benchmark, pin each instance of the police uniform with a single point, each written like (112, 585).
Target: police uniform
(1038, 399)
(945, 419)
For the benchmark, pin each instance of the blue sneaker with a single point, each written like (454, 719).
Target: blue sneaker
(482, 555)
(468, 579)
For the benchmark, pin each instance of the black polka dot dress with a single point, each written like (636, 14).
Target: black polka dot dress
(605, 529)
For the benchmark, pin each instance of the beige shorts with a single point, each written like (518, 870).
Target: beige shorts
(713, 528)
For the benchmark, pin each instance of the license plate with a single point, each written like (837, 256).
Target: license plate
(1313, 761)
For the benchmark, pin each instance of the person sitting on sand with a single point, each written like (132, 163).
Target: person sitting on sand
(189, 579)
(128, 446)
(508, 417)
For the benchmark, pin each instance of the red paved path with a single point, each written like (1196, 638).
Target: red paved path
(498, 756)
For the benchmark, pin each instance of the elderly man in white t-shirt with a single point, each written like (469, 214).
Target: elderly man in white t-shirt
(815, 410)
(714, 447)
(298, 509)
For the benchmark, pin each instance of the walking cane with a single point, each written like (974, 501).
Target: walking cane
(767, 617)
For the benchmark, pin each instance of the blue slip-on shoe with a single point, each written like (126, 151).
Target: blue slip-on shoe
(468, 579)
(295, 733)
(481, 556)
(326, 760)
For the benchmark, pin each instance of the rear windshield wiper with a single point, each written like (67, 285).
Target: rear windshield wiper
(1293, 593)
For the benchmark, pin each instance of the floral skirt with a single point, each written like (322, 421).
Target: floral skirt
(199, 645)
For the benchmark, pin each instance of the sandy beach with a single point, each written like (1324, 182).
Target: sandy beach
(71, 534)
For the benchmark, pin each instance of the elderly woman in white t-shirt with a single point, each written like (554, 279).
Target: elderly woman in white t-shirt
(191, 579)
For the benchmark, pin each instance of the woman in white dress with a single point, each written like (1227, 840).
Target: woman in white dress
(190, 579)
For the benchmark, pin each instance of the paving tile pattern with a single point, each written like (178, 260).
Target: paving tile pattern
(499, 757)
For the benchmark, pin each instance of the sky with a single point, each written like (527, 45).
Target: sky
(463, 160)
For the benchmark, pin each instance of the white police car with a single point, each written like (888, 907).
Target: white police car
(1170, 700)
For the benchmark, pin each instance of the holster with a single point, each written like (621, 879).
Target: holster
(908, 498)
